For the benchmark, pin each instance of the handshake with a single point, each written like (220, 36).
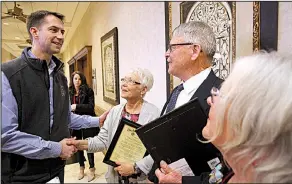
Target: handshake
(71, 146)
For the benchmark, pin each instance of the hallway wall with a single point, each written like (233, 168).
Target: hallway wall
(141, 35)
(6, 56)
(141, 41)
(285, 27)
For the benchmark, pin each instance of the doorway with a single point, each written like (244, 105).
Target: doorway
(82, 62)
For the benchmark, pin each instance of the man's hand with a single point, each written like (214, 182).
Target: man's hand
(167, 175)
(73, 107)
(102, 118)
(67, 149)
(148, 181)
(125, 169)
(79, 144)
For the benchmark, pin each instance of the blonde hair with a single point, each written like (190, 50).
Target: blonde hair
(255, 106)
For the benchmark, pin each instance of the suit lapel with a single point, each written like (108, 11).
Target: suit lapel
(203, 92)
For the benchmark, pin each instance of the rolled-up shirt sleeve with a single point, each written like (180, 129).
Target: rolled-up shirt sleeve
(17, 142)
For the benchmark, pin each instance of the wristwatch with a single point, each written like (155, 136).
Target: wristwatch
(137, 170)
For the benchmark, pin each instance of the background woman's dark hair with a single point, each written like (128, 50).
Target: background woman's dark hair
(83, 87)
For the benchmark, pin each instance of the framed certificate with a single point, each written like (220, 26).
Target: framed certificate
(126, 146)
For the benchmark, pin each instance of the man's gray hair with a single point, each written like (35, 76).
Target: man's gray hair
(198, 33)
(255, 108)
(146, 77)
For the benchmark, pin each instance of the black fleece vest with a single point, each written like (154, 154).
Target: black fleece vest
(29, 81)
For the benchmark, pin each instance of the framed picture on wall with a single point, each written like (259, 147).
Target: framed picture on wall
(110, 67)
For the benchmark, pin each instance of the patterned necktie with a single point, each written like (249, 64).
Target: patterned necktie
(172, 101)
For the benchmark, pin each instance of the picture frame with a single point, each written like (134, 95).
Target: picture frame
(94, 85)
(110, 67)
(265, 25)
(126, 146)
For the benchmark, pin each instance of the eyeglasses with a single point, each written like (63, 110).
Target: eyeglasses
(214, 92)
(129, 81)
(172, 46)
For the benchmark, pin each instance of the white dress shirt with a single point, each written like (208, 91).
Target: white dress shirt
(191, 86)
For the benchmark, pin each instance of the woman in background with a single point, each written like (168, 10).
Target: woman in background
(82, 103)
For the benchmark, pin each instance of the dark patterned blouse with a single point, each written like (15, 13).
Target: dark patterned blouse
(131, 117)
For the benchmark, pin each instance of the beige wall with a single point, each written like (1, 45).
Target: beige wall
(285, 27)
(6, 56)
(141, 40)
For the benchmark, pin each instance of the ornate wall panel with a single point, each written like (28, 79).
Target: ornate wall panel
(221, 17)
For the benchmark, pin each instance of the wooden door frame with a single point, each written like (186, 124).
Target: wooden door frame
(85, 51)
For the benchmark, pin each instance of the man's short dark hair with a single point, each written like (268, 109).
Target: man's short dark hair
(35, 19)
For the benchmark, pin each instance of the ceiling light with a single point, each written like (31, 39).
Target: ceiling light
(17, 38)
(5, 23)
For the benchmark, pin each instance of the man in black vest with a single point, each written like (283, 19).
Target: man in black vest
(36, 114)
(189, 56)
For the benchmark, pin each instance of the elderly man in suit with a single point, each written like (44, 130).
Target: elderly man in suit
(189, 56)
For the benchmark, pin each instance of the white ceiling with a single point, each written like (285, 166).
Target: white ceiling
(14, 35)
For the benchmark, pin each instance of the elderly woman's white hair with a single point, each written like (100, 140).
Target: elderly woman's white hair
(256, 109)
(146, 77)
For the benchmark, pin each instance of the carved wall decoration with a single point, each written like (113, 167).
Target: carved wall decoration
(256, 26)
(265, 25)
(221, 17)
(168, 35)
(233, 35)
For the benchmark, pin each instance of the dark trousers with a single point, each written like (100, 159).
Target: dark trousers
(61, 175)
(81, 159)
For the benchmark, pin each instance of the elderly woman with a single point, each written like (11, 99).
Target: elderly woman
(133, 89)
(250, 122)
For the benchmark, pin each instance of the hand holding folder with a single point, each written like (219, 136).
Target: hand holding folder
(174, 136)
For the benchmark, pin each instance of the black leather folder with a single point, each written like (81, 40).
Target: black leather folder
(175, 135)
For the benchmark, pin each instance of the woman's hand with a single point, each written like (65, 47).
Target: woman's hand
(125, 169)
(79, 144)
(73, 107)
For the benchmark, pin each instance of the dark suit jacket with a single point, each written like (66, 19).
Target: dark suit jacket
(85, 107)
(209, 152)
